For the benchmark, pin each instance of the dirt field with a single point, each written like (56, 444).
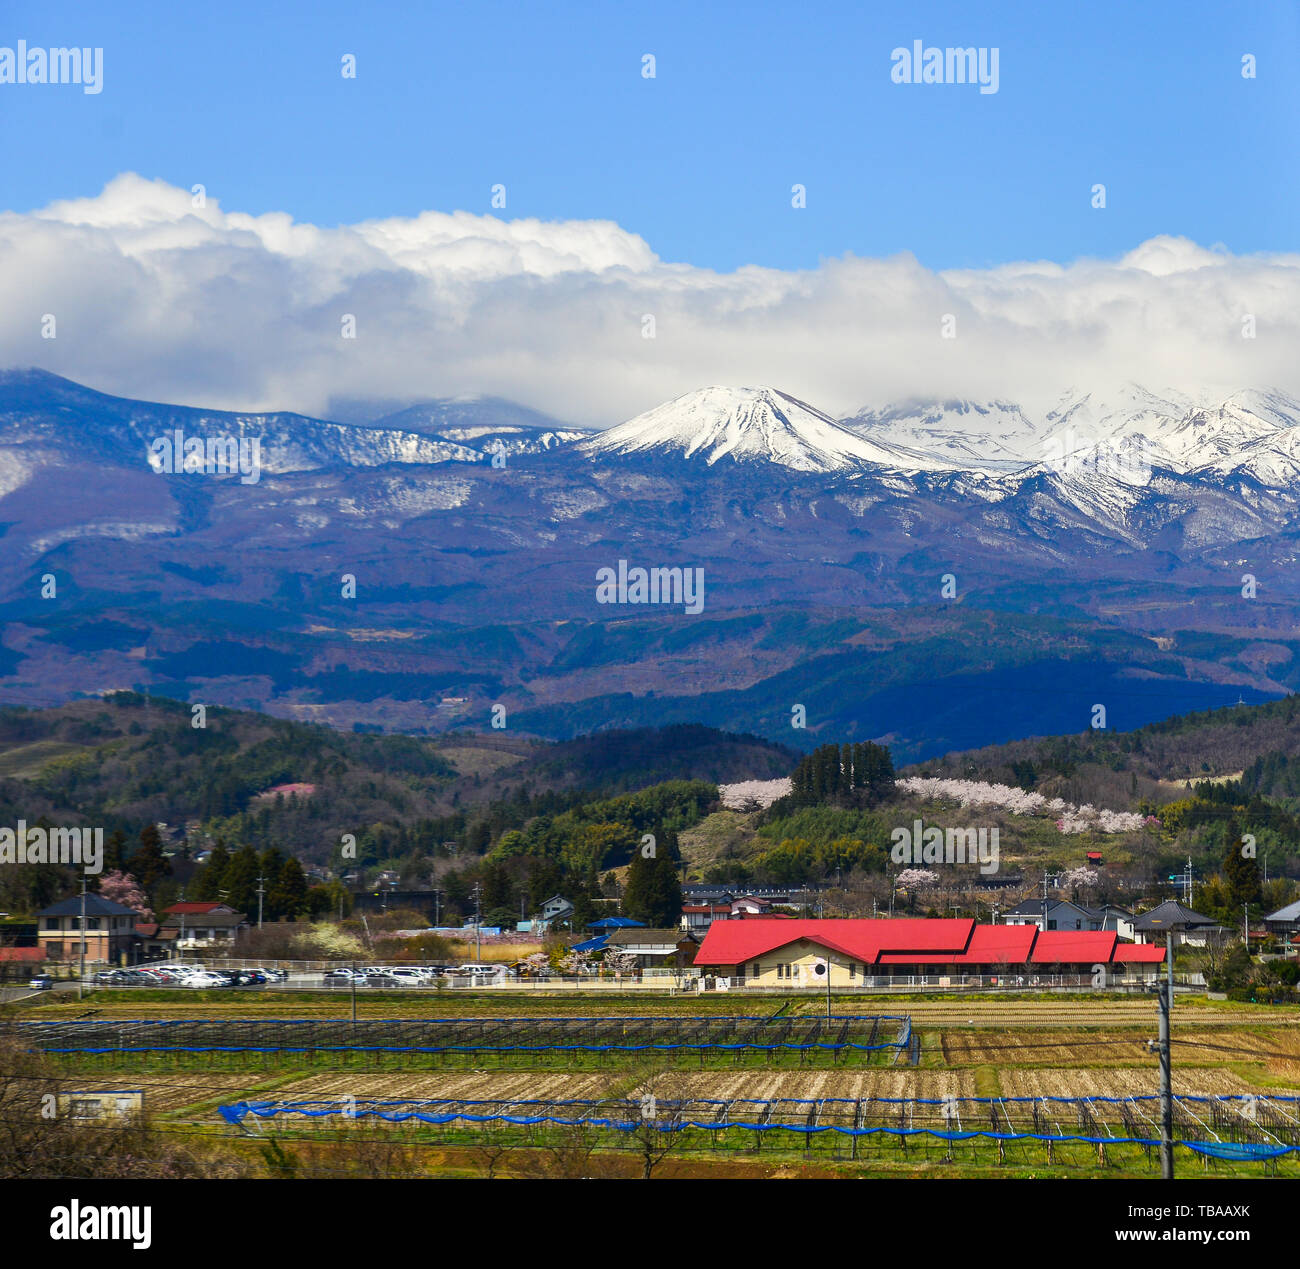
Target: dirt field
(1043, 1047)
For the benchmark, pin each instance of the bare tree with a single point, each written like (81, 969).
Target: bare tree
(40, 1139)
(655, 1102)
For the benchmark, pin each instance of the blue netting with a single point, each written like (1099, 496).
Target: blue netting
(1240, 1151)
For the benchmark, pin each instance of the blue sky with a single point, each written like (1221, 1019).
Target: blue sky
(748, 99)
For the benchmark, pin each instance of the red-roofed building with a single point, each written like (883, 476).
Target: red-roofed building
(196, 908)
(697, 917)
(1139, 954)
(22, 955)
(798, 952)
(1073, 947)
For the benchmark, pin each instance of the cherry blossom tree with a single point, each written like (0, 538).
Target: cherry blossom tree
(576, 962)
(121, 887)
(916, 879)
(753, 795)
(620, 960)
(1070, 819)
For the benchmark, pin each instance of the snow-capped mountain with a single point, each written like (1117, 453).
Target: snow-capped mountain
(1215, 434)
(43, 413)
(1097, 442)
(984, 435)
(749, 425)
(484, 424)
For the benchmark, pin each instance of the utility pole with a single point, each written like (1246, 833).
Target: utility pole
(261, 890)
(1245, 929)
(1165, 1001)
(1166, 1073)
(81, 972)
(478, 922)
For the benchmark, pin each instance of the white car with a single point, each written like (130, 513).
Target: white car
(202, 978)
(416, 977)
(484, 969)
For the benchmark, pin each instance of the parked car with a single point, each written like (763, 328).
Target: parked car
(41, 982)
(484, 969)
(205, 979)
(384, 980)
(410, 977)
(343, 975)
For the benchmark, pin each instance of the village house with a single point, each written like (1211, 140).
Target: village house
(1171, 919)
(654, 949)
(1064, 915)
(109, 936)
(201, 925)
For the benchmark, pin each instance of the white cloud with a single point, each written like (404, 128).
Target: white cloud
(155, 298)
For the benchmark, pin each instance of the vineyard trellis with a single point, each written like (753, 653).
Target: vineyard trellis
(867, 1038)
(1233, 1128)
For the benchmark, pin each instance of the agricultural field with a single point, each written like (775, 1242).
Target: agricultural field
(1090, 1049)
(569, 1042)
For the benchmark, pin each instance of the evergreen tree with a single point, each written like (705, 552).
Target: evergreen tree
(240, 881)
(653, 893)
(149, 865)
(115, 852)
(211, 878)
(1240, 873)
(287, 896)
(666, 894)
(584, 912)
(497, 890)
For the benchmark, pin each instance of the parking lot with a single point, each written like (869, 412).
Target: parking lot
(347, 978)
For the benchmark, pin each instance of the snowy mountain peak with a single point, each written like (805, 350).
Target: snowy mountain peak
(750, 425)
(978, 435)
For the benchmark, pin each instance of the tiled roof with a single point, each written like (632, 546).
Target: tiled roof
(96, 905)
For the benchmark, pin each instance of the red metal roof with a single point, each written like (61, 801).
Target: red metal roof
(1074, 947)
(989, 945)
(20, 954)
(923, 942)
(732, 942)
(192, 907)
(1139, 954)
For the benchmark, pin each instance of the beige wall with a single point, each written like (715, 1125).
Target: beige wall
(799, 958)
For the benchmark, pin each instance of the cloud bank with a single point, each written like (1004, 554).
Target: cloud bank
(157, 298)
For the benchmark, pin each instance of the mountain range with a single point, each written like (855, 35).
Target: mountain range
(859, 566)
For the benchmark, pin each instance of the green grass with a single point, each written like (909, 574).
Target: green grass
(24, 762)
